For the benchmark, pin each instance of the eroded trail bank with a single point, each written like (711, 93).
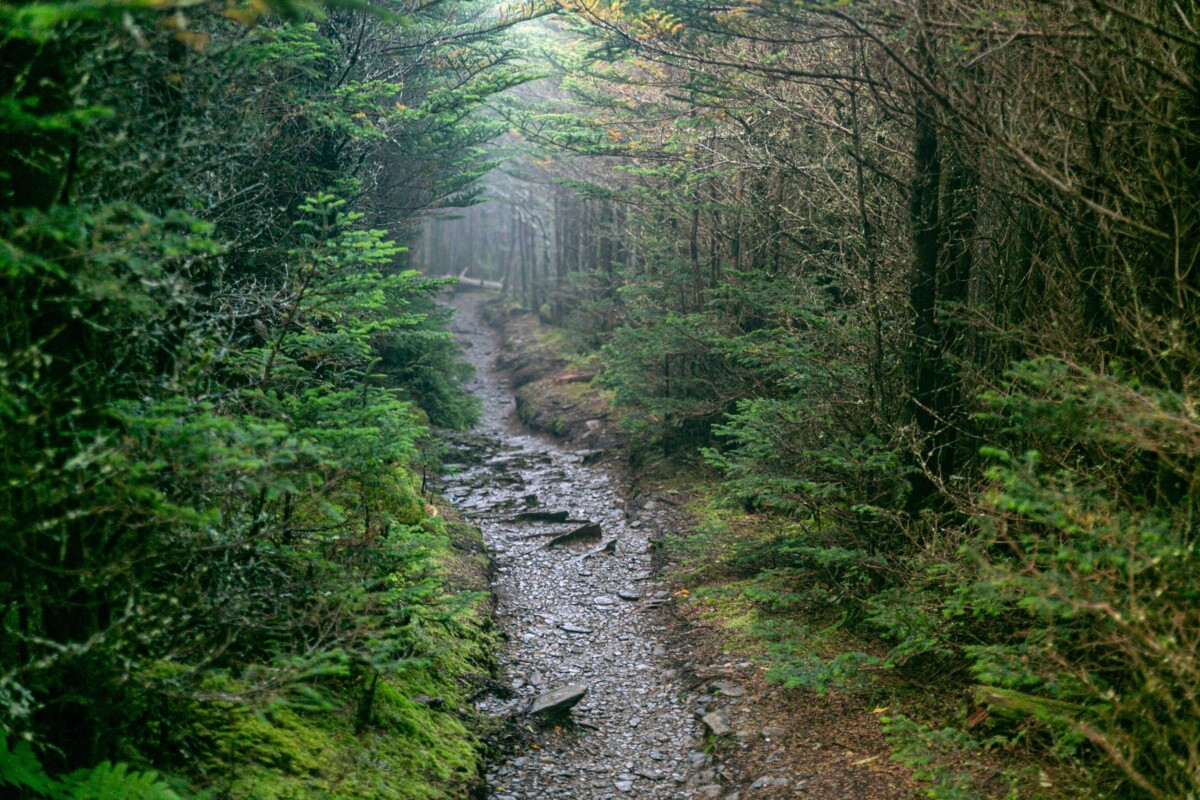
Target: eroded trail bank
(580, 612)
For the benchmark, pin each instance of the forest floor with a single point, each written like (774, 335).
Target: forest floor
(675, 648)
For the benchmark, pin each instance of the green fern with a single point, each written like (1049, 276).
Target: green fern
(19, 767)
(108, 781)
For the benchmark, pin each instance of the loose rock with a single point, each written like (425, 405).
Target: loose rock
(716, 724)
(631, 730)
(557, 701)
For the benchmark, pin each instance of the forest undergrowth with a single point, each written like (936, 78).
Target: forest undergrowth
(221, 576)
(754, 578)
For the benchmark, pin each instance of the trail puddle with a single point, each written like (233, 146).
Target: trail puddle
(576, 611)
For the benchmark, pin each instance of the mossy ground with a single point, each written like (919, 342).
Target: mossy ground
(423, 741)
(553, 373)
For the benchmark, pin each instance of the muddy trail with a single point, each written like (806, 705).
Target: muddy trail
(580, 606)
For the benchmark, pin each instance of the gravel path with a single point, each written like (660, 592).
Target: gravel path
(582, 612)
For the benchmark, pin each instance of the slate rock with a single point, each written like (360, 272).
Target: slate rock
(542, 516)
(557, 701)
(589, 532)
(716, 724)
(729, 689)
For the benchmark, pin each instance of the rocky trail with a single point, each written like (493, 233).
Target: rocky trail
(581, 607)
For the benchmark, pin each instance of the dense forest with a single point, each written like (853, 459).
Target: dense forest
(913, 281)
(918, 282)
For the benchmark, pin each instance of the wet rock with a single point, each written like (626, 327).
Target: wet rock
(542, 516)
(557, 701)
(608, 547)
(584, 533)
(716, 724)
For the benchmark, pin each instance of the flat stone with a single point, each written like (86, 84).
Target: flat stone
(604, 600)
(629, 593)
(716, 724)
(571, 627)
(608, 548)
(729, 689)
(712, 790)
(584, 533)
(558, 701)
(542, 516)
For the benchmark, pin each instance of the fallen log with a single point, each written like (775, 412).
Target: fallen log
(475, 283)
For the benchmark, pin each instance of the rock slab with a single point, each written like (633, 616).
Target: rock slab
(557, 701)
(716, 724)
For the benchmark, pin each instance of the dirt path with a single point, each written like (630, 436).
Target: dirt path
(581, 613)
(595, 612)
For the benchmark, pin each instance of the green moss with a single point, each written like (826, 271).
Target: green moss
(404, 502)
(408, 750)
